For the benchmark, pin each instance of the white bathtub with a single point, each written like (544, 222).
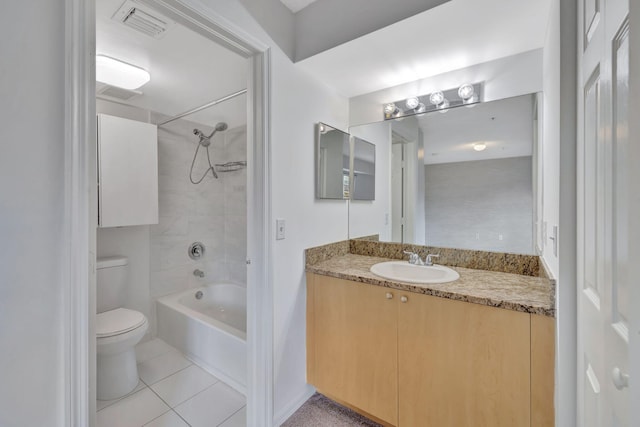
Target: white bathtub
(211, 330)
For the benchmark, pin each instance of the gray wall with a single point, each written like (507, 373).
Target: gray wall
(486, 204)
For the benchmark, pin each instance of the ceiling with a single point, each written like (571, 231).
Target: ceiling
(187, 70)
(296, 5)
(454, 35)
(504, 126)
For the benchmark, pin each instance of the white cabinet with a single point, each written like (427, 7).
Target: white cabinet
(127, 172)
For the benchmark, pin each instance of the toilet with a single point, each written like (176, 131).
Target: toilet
(118, 330)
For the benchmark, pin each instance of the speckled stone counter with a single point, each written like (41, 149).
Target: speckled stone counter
(504, 290)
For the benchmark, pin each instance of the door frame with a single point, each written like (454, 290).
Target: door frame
(78, 270)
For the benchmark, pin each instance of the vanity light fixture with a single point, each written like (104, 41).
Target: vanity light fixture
(120, 74)
(439, 100)
(479, 146)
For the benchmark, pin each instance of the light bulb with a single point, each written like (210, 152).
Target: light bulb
(479, 147)
(444, 106)
(390, 109)
(436, 98)
(466, 91)
(412, 102)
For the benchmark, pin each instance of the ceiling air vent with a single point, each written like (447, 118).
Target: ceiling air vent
(143, 19)
(115, 92)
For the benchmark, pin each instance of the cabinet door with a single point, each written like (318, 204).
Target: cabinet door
(127, 172)
(353, 346)
(462, 364)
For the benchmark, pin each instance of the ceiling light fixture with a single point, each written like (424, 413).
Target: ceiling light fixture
(479, 147)
(421, 108)
(120, 74)
(390, 110)
(466, 91)
(444, 106)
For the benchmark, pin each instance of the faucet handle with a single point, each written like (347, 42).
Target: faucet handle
(413, 257)
(428, 260)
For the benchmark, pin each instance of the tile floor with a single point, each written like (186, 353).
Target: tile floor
(173, 392)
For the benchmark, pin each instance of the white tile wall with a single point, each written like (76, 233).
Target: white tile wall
(213, 212)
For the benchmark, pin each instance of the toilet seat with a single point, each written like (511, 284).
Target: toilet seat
(119, 321)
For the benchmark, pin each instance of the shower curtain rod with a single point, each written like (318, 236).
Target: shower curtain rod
(202, 107)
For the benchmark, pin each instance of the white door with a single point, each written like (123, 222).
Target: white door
(603, 214)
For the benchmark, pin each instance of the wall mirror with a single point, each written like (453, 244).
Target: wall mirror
(332, 162)
(466, 178)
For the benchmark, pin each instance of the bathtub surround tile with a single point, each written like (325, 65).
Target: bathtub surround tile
(239, 419)
(183, 385)
(162, 366)
(212, 406)
(101, 404)
(150, 349)
(132, 411)
(169, 419)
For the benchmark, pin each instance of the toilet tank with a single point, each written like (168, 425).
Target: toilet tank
(111, 283)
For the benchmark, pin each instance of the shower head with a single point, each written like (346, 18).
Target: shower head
(205, 140)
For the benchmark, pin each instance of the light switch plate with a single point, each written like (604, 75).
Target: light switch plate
(280, 229)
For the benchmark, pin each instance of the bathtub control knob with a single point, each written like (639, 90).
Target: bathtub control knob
(196, 250)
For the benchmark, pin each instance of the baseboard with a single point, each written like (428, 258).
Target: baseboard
(295, 404)
(240, 388)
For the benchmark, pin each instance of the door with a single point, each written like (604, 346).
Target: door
(603, 215)
(353, 345)
(462, 364)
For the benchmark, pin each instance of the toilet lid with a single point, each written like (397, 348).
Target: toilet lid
(118, 321)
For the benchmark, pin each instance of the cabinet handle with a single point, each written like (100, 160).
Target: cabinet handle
(389, 295)
(404, 298)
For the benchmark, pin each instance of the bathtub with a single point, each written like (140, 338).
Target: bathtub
(211, 330)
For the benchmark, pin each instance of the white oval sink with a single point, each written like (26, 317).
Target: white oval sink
(402, 271)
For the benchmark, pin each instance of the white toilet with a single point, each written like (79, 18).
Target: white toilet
(118, 330)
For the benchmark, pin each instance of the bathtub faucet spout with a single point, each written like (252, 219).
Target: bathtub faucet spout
(198, 273)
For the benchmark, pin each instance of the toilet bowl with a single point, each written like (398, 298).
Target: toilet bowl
(117, 333)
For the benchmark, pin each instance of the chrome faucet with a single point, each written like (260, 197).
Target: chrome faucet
(414, 258)
(198, 273)
(428, 261)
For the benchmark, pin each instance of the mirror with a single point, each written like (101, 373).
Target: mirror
(332, 163)
(364, 170)
(466, 178)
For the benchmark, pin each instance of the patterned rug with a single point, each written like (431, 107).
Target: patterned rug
(319, 411)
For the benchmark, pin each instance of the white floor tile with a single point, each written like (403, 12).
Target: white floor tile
(170, 419)
(160, 367)
(212, 406)
(183, 385)
(150, 349)
(133, 411)
(101, 404)
(239, 419)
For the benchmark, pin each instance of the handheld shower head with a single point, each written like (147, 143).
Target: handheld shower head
(221, 126)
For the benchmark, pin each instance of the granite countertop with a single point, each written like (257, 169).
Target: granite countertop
(504, 290)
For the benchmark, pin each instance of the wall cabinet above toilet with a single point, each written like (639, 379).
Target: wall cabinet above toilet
(127, 172)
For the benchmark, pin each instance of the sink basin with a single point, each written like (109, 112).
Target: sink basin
(402, 271)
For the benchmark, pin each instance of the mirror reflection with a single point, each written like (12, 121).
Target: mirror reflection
(332, 163)
(465, 178)
(364, 170)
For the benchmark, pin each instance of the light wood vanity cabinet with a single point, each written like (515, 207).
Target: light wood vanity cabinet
(415, 360)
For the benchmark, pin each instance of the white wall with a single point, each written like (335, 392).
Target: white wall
(503, 78)
(32, 207)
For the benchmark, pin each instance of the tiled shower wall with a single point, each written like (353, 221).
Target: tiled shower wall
(212, 212)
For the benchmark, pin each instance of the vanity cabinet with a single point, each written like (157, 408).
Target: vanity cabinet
(127, 172)
(352, 345)
(413, 360)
